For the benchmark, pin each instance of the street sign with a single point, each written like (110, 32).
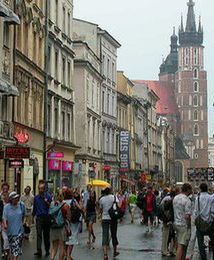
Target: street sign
(16, 164)
(15, 152)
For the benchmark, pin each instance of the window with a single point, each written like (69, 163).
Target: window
(92, 97)
(56, 11)
(49, 120)
(195, 115)
(202, 115)
(195, 73)
(69, 73)
(112, 142)
(6, 35)
(63, 71)
(196, 88)
(113, 72)
(196, 130)
(69, 24)
(103, 101)
(195, 101)
(64, 18)
(202, 144)
(190, 100)
(196, 156)
(104, 61)
(49, 59)
(3, 115)
(108, 141)
(108, 68)
(63, 125)
(195, 56)
(56, 64)
(69, 126)
(98, 98)
(56, 122)
(197, 144)
(108, 104)
(112, 105)
(88, 91)
(35, 47)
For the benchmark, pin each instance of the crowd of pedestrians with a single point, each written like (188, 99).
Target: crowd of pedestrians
(185, 216)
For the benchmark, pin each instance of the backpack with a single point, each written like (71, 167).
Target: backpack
(75, 212)
(56, 217)
(166, 212)
(115, 212)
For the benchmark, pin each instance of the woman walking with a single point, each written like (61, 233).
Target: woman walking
(91, 218)
(13, 218)
(58, 227)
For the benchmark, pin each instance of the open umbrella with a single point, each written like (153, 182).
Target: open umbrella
(99, 183)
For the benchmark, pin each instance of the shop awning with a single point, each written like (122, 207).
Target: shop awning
(4, 11)
(12, 18)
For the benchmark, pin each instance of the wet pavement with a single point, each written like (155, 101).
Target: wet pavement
(135, 244)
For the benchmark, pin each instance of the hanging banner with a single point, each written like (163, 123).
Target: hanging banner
(124, 151)
(54, 165)
(67, 166)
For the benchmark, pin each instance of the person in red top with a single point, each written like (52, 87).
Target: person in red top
(149, 208)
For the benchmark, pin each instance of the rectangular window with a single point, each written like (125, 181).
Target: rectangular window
(64, 19)
(69, 73)
(88, 91)
(56, 64)
(63, 71)
(49, 59)
(69, 126)
(113, 72)
(104, 62)
(63, 125)
(49, 120)
(6, 35)
(108, 103)
(108, 68)
(98, 98)
(56, 12)
(92, 95)
(112, 105)
(56, 122)
(69, 24)
(103, 101)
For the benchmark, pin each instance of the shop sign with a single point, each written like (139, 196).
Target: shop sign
(16, 152)
(124, 151)
(54, 165)
(21, 136)
(16, 164)
(55, 155)
(67, 166)
(107, 168)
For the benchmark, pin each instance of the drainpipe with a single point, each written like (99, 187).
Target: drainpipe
(45, 93)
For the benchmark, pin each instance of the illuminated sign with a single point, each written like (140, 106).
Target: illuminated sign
(124, 151)
(54, 165)
(15, 152)
(67, 166)
(55, 155)
(21, 136)
(16, 164)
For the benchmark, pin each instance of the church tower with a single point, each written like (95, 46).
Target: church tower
(191, 90)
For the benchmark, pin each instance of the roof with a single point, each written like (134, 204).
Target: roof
(166, 104)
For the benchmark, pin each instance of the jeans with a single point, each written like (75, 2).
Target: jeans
(200, 236)
(147, 216)
(43, 228)
(112, 225)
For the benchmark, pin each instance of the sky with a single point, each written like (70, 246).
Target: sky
(144, 27)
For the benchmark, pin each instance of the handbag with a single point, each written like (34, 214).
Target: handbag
(202, 225)
(115, 212)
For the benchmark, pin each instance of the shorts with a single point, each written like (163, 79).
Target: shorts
(90, 218)
(183, 234)
(16, 245)
(132, 208)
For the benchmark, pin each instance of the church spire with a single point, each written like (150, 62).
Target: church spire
(191, 24)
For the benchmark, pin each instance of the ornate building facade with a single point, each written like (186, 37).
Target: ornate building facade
(61, 108)
(7, 88)
(29, 78)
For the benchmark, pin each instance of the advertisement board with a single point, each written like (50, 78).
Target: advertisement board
(15, 152)
(124, 151)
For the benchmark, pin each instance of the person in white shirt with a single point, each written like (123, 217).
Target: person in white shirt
(204, 206)
(182, 220)
(106, 202)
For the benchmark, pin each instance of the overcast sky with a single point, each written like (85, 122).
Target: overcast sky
(144, 27)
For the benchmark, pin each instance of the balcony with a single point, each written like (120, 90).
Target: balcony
(6, 130)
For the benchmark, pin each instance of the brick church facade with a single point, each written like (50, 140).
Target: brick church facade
(183, 69)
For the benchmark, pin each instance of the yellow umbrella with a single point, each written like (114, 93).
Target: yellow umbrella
(99, 183)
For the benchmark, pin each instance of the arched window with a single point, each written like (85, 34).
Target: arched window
(195, 115)
(195, 101)
(196, 87)
(196, 130)
(195, 73)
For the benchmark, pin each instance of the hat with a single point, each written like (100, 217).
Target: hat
(13, 195)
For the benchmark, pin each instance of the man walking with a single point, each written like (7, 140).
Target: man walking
(41, 212)
(149, 208)
(204, 212)
(182, 220)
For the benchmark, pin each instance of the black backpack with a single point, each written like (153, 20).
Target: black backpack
(75, 212)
